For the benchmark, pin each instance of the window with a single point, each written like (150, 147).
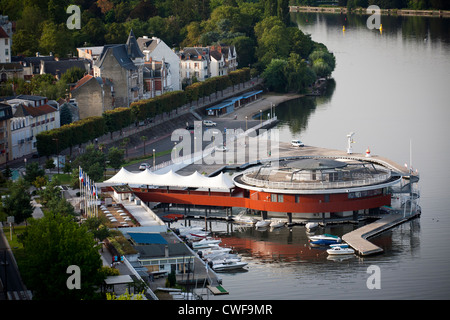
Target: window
(273, 197)
(280, 198)
(297, 198)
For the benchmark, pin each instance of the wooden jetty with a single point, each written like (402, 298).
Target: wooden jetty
(357, 239)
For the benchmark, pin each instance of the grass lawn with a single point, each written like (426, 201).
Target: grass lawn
(15, 245)
(63, 178)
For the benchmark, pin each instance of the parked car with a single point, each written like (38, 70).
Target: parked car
(209, 123)
(190, 128)
(297, 143)
(144, 166)
(221, 148)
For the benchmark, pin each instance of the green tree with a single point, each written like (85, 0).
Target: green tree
(92, 161)
(275, 76)
(55, 38)
(18, 202)
(32, 171)
(52, 244)
(115, 157)
(73, 74)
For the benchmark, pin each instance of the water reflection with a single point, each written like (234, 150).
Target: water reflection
(408, 27)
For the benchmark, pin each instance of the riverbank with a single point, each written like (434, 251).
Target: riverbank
(393, 12)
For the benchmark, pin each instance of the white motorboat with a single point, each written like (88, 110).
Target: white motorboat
(324, 239)
(341, 245)
(229, 265)
(340, 251)
(213, 249)
(205, 243)
(262, 223)
(311, 225)
(221, 261)
(242, 218)
(277, 223)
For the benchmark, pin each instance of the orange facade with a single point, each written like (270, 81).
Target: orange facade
(263, 201)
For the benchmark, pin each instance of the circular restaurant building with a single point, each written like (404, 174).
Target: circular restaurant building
(317, 188)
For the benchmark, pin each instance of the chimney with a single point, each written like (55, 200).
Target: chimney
(166, 251)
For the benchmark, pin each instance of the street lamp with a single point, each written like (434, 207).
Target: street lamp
(260, 115)
(246, 123)
(154, 160)
(57, 151)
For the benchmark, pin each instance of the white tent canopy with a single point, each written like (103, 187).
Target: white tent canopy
(172, 179)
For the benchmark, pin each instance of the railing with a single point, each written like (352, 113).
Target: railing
(314, 185)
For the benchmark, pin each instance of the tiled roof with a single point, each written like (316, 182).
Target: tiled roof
(82, 81)
(23, 110)
(3, 33)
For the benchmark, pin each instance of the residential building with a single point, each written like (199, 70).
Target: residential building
(156, 78)
(5, 115)
(11, 70)
(206, 62)
(31, 115)
(123, 65)
(194, 64)
(161, 57)
(58, 67)
(93, 95)
(5, 46)
(90, 53)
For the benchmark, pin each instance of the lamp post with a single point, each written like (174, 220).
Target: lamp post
(57, 151)
(154, 159)
(246, 128)
(260, 115)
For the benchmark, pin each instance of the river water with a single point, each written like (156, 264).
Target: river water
(391, 89)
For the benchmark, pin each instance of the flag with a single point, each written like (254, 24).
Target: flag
(81, 175)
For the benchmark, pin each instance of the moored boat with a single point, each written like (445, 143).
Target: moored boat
(340, 251)
(311, 225)
(262, 223)
(229, 265)
(277, 223)
(205, 243)
(242, 218)
(324, 239)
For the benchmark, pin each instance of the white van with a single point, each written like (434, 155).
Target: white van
(209, 123)
(297, 143)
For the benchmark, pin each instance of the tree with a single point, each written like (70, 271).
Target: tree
(275, 76)
(55, 38)
(18, 202)
(65, 115)
(115, 157)
(144, 139)
(52, 244)
(32, 171)
(92, 161)
(72, 75)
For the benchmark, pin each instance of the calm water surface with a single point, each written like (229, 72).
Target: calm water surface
(390, 89)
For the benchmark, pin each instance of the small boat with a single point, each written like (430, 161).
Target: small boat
(324, 239)
(213, 249)
(229, 265)
(205, 243)
(262, 223)
(311, 225)
(242, 218)
(340, 245)
(277, 224)
(340, 251)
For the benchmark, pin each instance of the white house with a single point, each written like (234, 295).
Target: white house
(156, 50)
(31, 115)
(5, 46)
(194, 63)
